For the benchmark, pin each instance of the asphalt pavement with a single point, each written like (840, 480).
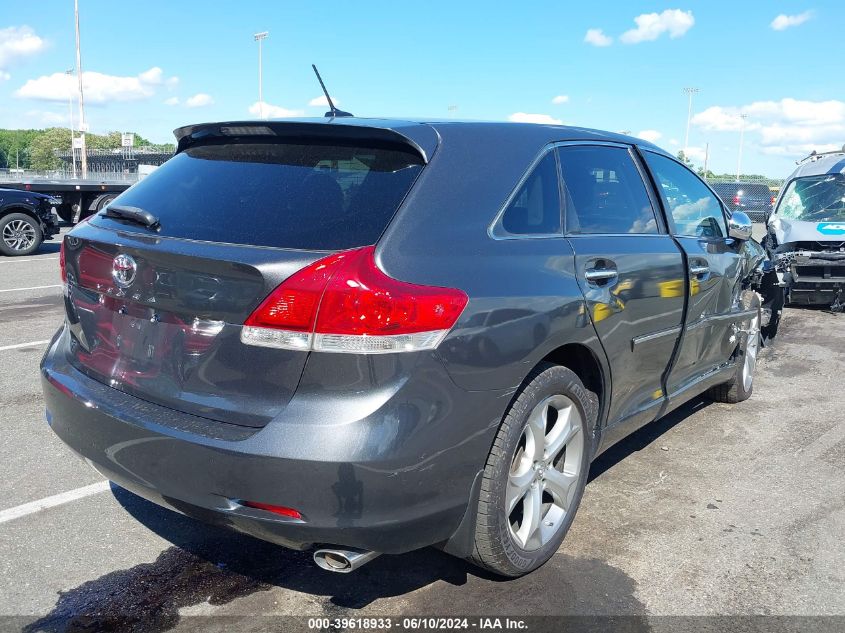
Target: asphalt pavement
(715, 510)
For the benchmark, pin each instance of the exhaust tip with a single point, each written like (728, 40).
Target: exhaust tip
(334, 562)
(342, 561)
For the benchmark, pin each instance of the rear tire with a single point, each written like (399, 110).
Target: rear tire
(536, 473)
(20, 234)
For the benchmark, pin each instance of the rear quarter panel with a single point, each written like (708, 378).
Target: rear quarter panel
(524, 298)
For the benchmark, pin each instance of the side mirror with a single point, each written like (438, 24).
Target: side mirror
(739, 226)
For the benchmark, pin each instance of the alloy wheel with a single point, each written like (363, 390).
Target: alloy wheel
(544, 473)
(752, 346)
(19, 235)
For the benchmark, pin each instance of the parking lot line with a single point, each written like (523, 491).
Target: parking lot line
(51, 502)
(20, 345)
(15, 260)
(31, 288)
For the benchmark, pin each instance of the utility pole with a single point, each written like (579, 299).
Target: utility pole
(689, 92)
(69, 73)
(82, 125)
(260, 37)
(742, 118)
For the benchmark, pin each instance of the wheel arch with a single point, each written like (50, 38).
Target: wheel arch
(584, 363)
(17, 207)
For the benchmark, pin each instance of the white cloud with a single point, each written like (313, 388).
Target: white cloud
(650, 26)
(652, 136)
(799, 150)
(323, 102)
(154, 76)
(524, 117)
(171, 82)
(17, 42)
(560, 99)
(4, 75)
(798, 111)
(674, 142)
(172, 101)
(273, 111)
(783, 21)
(596, 37)
(695, 154)
(789, 127)
(45, 117)
(99, 87)
(719, 119)
(779, 134)
(199, 100)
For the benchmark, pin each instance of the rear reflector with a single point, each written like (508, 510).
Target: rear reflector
(280, 510)
(62, 262)
(345, 303)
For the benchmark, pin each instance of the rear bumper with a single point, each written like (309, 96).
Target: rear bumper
(393, 480)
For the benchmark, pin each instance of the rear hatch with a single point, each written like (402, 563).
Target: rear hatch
(157, 311)
(756, 197)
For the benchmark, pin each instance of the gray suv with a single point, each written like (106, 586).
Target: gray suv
(371, 336)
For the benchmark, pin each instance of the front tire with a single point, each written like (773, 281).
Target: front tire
(536, 473)
(741, 386)
(20, 234)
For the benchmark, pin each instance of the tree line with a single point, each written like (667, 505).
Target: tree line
(710, 175)
(36, 149)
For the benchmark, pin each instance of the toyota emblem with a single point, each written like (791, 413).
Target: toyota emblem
(123, 270)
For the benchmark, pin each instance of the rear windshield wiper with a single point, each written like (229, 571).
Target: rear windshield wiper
(133, 214)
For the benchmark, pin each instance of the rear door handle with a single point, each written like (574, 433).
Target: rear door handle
(699, 271)
(599, 275)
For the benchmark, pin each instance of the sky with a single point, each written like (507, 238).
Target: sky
(771, 68)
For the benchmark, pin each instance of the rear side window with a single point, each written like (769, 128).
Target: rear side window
(303, 196)
(694, 210)
(604, 192)
(535, 209)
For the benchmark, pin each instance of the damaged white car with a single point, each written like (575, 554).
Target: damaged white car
(806, 232)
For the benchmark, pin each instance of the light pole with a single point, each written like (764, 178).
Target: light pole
(689, 92)
(69, 73)
(82, 149)
(742, 118)
(260, 37)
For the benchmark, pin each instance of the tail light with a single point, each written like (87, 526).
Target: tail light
(736, 201)
(772, 201)
(345, 303)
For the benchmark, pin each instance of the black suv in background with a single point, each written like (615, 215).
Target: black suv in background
(753, 198)
(372, 336)
(26, 220)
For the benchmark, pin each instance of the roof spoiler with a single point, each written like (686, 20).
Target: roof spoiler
(421, 139)
(814, 155)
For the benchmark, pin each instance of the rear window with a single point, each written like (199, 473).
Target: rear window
(305, 196)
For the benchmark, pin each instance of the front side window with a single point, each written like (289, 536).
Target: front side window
(604, 192)
(535, 209)
(814, 199)
(694, 210)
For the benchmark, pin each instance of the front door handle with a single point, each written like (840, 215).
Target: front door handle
(600, 275)
(699, 271)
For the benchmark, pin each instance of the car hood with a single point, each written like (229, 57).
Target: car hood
(787, 231)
